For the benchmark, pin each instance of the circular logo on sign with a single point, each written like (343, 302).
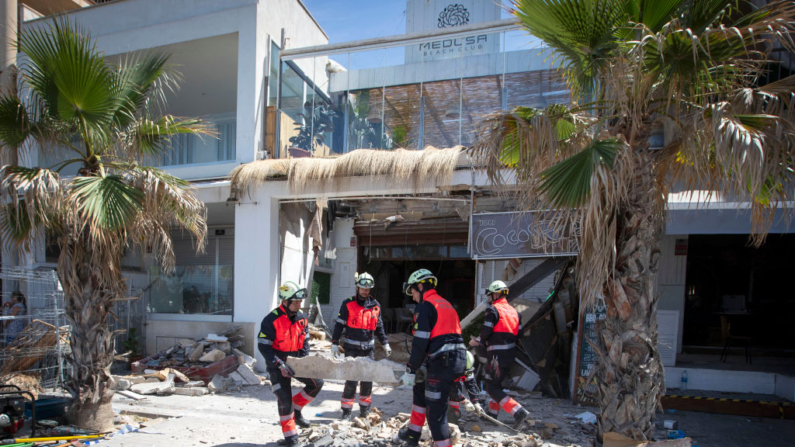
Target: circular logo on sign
(453, 15)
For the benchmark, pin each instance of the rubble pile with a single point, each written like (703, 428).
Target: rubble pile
(188, 353)
(212, 364)
(376, 429)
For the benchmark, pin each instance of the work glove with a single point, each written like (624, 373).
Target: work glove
(335, 350)
(388, 350)
(479, 410)
(286, 370)
(407, 378)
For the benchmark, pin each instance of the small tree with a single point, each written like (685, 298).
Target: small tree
(695, 70)
(106, 117)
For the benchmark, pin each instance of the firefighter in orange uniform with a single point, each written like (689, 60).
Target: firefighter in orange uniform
(360, 319)
(499, 334)
(439, 347)
(285, 333)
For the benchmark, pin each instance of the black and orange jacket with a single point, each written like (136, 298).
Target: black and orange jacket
(501, 326)
(360, 320)
(436, 329)
(281, 336)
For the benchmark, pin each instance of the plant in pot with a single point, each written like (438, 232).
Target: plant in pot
(315, 123)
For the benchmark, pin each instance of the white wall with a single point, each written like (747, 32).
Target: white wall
(671, 273)
(342, 286)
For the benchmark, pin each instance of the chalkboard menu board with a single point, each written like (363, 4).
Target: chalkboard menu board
(519, 235)
(587, 393)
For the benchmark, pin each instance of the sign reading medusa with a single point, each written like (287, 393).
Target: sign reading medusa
(453, 15)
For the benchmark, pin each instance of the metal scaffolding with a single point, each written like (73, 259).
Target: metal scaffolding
(40, 348)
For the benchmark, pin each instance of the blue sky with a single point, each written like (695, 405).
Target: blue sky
(346, 20)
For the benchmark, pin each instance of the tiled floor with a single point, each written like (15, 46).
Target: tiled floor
(718, 430)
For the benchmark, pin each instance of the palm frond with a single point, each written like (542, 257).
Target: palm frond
(71, 77)
(106, 202)
(14, 122)
(142, 77)
(568, 183)
(581, 32)
(32, 198)
(152, 138)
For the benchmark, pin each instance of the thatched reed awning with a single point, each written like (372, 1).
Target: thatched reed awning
(409, 167)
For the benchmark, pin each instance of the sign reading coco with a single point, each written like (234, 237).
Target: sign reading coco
(518, 235)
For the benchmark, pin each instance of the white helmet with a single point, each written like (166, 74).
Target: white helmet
(420, 276)
(290, 291)
(497, 287)
(364, 281)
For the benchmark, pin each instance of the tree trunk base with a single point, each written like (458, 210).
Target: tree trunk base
(93, 416)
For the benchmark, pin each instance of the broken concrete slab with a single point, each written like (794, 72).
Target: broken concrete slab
(153, 388)
(197, 352)
(219, 384)
(243, 358)
(131, 395)
(348, 368)
(192, 391)
(213, 356)
(195, 384)
(248, 376)
(215, 338)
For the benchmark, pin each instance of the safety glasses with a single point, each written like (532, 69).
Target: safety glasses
(299, 295)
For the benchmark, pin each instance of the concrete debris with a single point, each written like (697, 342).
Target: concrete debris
(131, 395)
(349, 368)
(248, 376)
(194, 391)
(244, 359)
(197, 352)
(195, 384)
(215, 338)
(213, 356)
(159, 388)
(219, 384)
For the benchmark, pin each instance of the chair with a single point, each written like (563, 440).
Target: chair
(725, 325)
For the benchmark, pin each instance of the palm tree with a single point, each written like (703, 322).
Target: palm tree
(693, 70)
(68, 98)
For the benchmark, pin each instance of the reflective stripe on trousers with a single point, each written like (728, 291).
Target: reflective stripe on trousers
(501, 347)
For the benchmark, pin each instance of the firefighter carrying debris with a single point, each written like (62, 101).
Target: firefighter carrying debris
(285, 333)
(501, 326)
(439, 346)
(360, 319)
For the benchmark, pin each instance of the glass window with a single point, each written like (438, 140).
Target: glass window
(273, 76)
(201, 283)
(192, 149)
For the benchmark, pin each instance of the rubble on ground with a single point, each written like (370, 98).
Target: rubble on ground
(376, 429)
(192, 368)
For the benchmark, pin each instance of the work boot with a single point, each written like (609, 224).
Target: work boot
(364, 411)
(293, 441)
(346, 414)
(519, 418)
(411, 439)
(300, 420)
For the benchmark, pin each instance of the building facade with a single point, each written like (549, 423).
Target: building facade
(264, 74)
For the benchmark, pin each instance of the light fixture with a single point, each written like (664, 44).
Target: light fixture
(452, 112)
(374, 115)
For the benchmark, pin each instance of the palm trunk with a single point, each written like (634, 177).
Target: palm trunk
(88, 302)
(629, 374)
